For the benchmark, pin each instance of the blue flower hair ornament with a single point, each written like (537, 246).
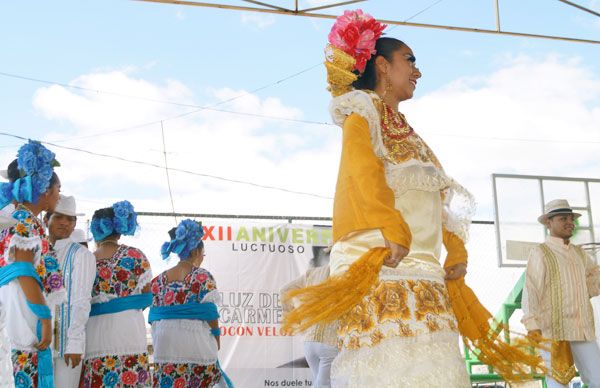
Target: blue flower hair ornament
(36, 164)
(123, 222)
(187, 237)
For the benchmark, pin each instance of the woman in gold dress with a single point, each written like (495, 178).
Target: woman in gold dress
(399, 310)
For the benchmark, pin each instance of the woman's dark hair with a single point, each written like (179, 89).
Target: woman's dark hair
(13, 171)
(385, 47)
(14, 174)
(107, 212)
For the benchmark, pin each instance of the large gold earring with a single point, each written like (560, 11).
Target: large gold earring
(388, 87)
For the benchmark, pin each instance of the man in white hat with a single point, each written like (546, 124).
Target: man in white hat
(79, 270)
(79, 236)
(560, 280)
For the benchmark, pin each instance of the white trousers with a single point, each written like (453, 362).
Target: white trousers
(319, 357)
(586, 355)
(64, 375)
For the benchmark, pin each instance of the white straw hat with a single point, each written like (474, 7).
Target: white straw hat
(66, 206)
(555, 207)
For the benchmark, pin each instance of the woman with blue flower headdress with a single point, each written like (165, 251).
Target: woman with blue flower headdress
(184, 317)
(28, 281)
(116, 349)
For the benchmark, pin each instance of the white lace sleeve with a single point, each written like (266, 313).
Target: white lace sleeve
(459, 207)
(212, 296)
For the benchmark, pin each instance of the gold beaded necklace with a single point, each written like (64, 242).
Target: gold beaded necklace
(393, 124)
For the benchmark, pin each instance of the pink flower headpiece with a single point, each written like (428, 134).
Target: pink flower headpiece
(355, 33)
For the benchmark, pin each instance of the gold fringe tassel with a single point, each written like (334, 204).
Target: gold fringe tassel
(328, 301)
(514, 362)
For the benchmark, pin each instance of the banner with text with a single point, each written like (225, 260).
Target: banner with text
(251, 262)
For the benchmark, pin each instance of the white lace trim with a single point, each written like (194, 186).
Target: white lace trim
(183, 324)
(124, 351)
(184, 360)
(415, 175)
(361, 103)
(25, 243)
(103, 298)
(143, 280)
(432, 360)
(55, 298)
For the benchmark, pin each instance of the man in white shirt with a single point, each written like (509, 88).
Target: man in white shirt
(79, 271)
(320, 341)
(560, 280)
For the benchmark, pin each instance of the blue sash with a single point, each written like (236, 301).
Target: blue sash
(199, 311)
(10, 273)
(131, 302)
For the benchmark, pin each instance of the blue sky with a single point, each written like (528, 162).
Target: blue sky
(208, 51)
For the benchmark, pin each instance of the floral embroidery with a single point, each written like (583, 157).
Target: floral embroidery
(185, 375)
(445, 297)
(354, 343)
(29, 226)
(25, 368)
(390, 299)
(120, 274)
(112, 371)
(52, 279)
(426, 297)
(192, 289)
(376, 337)
(357, 319)
(432, 324)
(405, 330)
(400, 308)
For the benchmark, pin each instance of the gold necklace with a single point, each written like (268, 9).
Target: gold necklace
(393, 124)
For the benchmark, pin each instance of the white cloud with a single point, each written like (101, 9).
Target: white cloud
(551, 98)
(247, 148)
(257, 20)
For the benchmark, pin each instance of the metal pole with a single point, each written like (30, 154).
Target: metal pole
(590, 217)
(497, 15)
(497, 219)
(395, 22)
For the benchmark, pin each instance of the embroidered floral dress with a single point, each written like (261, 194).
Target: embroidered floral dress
(404, 332)
(21, 322)
(185, 352)
(116, 349)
